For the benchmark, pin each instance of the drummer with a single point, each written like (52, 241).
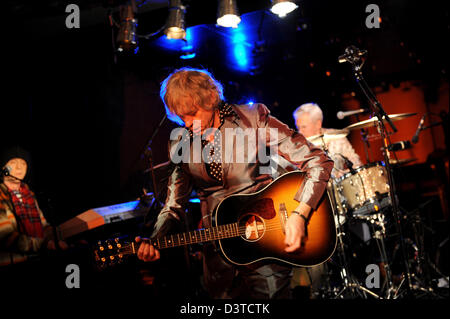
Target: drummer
(308, 120)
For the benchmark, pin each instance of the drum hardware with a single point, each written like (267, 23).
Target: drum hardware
(418, 259)
(378, 220)
(354, 57)
(349, 282)
(402, 161)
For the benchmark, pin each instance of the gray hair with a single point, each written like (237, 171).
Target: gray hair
(311, 108)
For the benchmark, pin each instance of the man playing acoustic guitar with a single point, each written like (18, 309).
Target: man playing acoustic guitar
(194, 99)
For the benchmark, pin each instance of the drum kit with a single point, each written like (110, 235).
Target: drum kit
(362, 204)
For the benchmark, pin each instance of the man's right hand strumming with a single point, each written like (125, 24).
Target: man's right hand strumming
(146, 251)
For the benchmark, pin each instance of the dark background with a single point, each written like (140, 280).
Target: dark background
(86, 112)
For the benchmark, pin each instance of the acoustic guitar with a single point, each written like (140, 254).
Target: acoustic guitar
(250, 228)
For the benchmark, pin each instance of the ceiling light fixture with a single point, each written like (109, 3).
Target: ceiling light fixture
(283, 7)
(228, 15)
(175, 23)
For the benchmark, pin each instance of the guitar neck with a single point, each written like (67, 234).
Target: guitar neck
(189, 238)
(197, 236)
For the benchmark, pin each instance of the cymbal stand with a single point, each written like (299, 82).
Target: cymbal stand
(366, 144)
(377, 223)
(421, 261)
(365, 139)
(348, 280)
(353, 56)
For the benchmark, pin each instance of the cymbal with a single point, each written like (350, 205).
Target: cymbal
(327, 137)
(371, 122)
(402, 161)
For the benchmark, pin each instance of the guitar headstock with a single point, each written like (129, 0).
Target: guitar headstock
(111, 252)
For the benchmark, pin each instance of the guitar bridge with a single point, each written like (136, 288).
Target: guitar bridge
(283, 216)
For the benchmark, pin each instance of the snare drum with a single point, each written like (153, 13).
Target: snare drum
(365, 190)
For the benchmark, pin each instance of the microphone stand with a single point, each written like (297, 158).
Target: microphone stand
(148, 153)
(378, 110)
(365, 141)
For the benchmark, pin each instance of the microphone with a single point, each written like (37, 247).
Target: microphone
(6, 170)
(340, 115)
(351, 54)
(415, 138)
(398, 146)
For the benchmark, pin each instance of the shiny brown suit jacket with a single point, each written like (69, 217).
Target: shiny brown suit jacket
(240, 177)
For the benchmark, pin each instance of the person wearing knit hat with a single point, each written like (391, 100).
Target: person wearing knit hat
(23, 227)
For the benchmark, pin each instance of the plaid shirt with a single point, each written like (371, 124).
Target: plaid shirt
(27, 211)
(15, 238)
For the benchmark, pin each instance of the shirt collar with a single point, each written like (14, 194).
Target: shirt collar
(225, 110)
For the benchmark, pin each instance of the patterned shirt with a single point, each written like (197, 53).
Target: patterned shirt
(214, 160)
(14, 243)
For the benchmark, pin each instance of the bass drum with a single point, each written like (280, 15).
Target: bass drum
(364, 191)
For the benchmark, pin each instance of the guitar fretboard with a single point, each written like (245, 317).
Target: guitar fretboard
(197, 236)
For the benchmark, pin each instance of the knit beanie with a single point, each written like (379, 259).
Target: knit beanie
(15, 152)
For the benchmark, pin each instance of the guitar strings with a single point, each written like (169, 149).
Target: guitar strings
(211, 236)
(203, 238)
(128, 248)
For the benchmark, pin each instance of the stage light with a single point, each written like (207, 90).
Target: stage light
(126, 38)
(228, 15)
(175, 22)
(282, 7)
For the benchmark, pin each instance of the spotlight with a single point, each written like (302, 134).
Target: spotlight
(283, 7)
(175, 22)
(126, 38)
(228, 15)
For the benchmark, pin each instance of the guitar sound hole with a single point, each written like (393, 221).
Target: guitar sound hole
(252, 227)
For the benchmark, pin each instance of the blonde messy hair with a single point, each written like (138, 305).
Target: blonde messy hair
(186, 90)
